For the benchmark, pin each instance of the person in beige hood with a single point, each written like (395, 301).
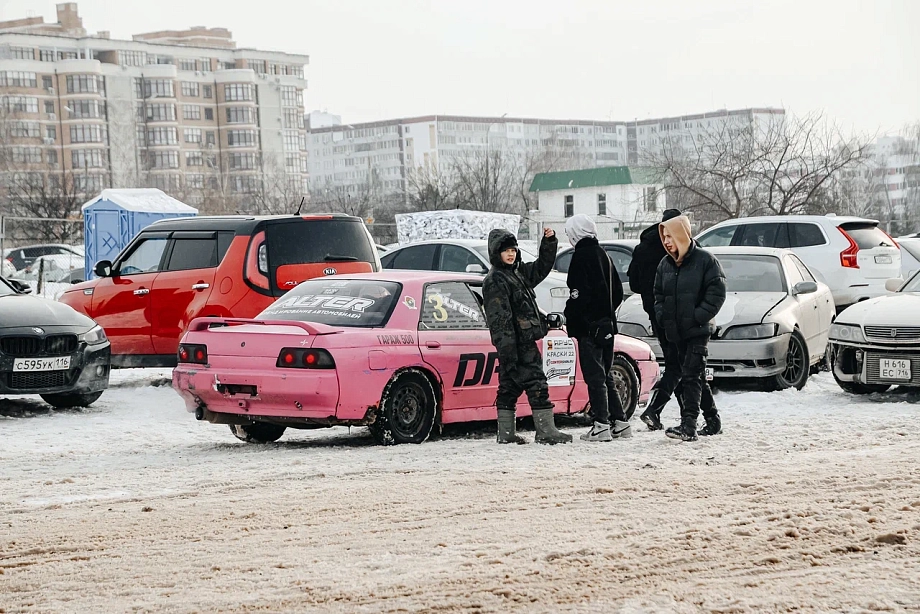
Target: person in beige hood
(689, 292)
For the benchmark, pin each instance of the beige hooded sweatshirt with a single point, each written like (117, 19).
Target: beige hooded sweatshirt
(679, 229)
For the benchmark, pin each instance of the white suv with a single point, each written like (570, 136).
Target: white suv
(853, 255)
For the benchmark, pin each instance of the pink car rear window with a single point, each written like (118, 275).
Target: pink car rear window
(337, 302)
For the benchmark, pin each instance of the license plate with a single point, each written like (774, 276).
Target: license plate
(709, 374)
(894, 369)
(58, 363)
(883, 260)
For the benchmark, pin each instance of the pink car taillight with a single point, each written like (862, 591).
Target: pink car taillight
(193, 353)
(296, 358)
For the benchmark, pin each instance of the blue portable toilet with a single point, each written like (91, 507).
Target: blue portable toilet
(112, 219)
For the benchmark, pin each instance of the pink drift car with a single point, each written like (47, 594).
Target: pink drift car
(395, 351)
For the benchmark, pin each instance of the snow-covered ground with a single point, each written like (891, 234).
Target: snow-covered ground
(810, 501)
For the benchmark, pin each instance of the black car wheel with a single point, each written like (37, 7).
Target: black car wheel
(796, 372)
(257, 432)
(627, 383)
(71, 399)
(407, 410)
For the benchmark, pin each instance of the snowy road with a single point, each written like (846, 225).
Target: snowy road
(810, 502)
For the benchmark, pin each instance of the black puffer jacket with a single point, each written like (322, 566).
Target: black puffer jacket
(688, 297)
(509, 300)
(645, 260)
(590, 294)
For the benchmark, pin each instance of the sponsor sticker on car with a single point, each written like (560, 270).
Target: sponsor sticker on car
(559, 361)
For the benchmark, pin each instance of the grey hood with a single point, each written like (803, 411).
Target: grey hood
(18, 311)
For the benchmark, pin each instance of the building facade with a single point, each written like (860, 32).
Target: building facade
(347, 157)
(184, 111)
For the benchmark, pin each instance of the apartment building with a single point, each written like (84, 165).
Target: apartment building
(344, 157)
(185, 111)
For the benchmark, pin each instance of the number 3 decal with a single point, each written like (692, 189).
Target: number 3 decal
(440, 314)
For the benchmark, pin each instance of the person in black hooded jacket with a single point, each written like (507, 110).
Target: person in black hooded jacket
(516, 324)
(595, 292)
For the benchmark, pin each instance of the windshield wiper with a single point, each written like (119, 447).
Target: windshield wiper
(337, 258)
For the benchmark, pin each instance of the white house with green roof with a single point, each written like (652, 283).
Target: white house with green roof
(621, 200)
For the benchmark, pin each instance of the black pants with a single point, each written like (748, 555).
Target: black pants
(525, 376)
(685, 365)
(671, 382)
(596, 363)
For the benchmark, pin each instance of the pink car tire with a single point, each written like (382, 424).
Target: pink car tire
(257, 432)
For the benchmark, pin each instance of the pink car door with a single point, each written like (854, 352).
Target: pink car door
(454, 339)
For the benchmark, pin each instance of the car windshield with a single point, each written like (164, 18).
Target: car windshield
(913, 285)
(752, 273)
(526, 255)
(338, 302)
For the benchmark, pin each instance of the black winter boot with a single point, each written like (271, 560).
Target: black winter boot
(652, 414)
(507, 428)
(713, 425)
(683, 432)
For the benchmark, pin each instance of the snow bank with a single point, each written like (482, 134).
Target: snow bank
(452, 224)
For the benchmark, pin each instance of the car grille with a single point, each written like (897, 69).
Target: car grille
(52, 345)
(873, 369)
(39, 379)
(893, 333)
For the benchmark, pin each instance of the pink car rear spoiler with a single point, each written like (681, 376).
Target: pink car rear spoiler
(312, 328)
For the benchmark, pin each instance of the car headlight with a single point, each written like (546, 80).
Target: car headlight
(751, 331)
(847, 332)
(559, 292)
(95, 336)
(632, 330)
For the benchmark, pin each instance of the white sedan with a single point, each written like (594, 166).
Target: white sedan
(471, 256)
(774, 323)
(875, 344)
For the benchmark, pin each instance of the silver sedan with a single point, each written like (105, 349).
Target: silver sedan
(774, 323)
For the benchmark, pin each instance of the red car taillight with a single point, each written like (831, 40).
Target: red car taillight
(296, 358)
(257, 262)
(848, 256)
(193, 353)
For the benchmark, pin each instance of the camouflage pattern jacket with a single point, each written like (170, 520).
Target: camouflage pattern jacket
(509, 300)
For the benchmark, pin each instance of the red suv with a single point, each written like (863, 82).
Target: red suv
(226, 266)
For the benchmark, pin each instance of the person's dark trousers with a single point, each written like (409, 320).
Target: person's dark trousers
(692, 355)
(526, 376)
(596, 363)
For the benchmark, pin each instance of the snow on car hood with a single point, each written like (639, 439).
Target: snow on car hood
(739, 308)
(898, 309)
(22, 310)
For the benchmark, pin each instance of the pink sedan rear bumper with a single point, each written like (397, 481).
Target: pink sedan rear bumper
(254, 387)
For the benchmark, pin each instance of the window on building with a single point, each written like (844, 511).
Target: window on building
(78, 84)
(87, 133)
(209, 113)
(163, 159)
(194, 158)
(193, 135)
(22, 53)
(602, 204)
(153, 88)
(240, 115)
(51, 132)
(191, 112)
(51, 156)
(289, 97)
(47, 82)
(194, 180)
(569, 205)
(650, 195)
(24, 129)
(20, 104)
(241, 138)
(258, 66)
(49, 106)
(190, 89)
(132, 58)
(242, 161)
(186, 64)
(17, 78)
(237, 91)
(209, 138)
(82, 109)
(245, 184)
(206, 91)
(162, 135)
(157, 112)
(87, 158)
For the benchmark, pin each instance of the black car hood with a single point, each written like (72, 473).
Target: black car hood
(19, 311)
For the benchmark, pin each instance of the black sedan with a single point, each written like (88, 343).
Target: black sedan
(50, 349)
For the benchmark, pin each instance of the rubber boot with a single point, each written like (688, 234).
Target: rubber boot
(507, 428)
(652, 414)
(546, 428)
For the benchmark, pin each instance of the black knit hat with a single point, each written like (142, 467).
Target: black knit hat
(670, 214)
(510, 241)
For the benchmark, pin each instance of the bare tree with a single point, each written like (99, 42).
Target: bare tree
(428, 189)
(48, 198)
(735, 170)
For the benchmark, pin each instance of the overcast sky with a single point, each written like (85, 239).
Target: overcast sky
(857, 61)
